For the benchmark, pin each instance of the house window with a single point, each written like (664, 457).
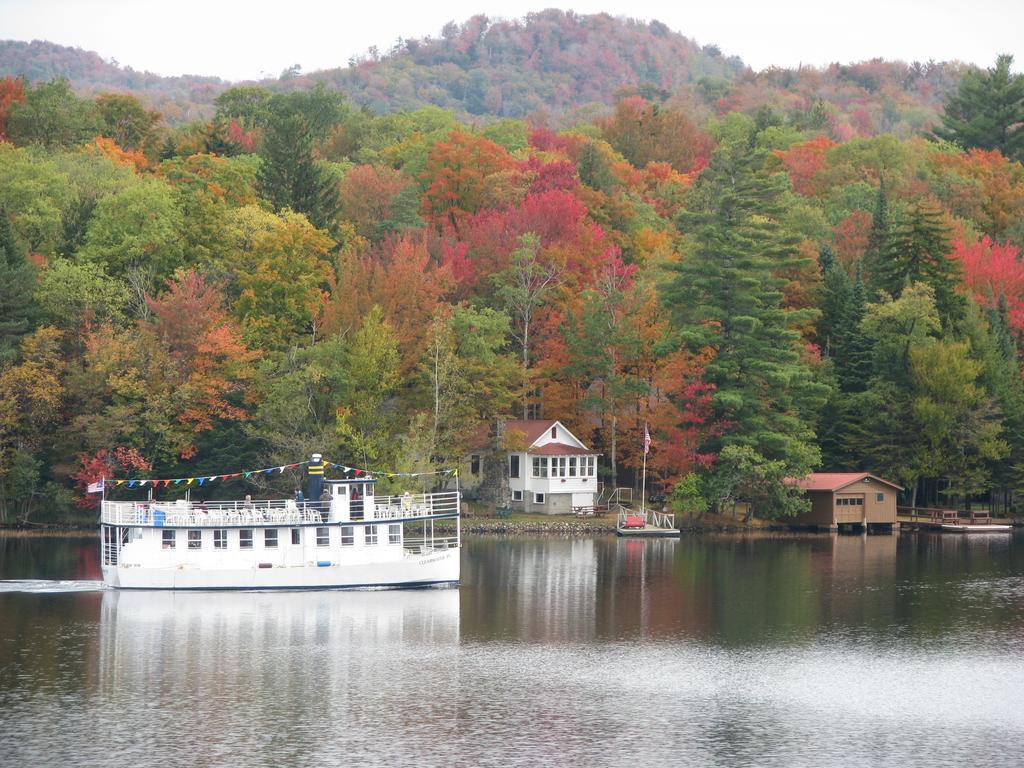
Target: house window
(245, 538)
(168, 539)
(395, 533)
(348, 535)
(195, 539)
(554, 433)
(572, 466)
(538, 498)
(270, 538)
(323, 537)
(517, 495)
(540, 466)
(296, 535)
(220, 539)
(474, 464)
(879, 497)
(371, 535)
(513, 465)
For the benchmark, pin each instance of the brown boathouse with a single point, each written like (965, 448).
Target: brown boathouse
(855, 499)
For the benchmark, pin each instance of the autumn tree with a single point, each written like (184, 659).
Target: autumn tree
(126, 121)
(364, 428)
(458, 177)
(31, 396)
(644, 132)
(53, 116)
(12, 91)
(467, 376)
(17, 281)
(280, 277)
(522, 289)
(204, 343)
(604, 348)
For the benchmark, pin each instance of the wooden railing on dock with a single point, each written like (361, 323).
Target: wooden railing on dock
(936, 516)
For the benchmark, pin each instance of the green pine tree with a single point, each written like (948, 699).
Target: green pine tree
(917, 250)
(987, 111)
(726, 296)
(289, 176)
(878, 236)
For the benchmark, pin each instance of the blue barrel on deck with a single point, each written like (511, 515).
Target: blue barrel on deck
(159, 516)
(323, 563)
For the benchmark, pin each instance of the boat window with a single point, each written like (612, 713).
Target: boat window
(323, 537)
(395, 533)
(245, 538)
(195, 539)
(270, 538)
(168, 539)
(220, 539)
(348, 536)
(371, 534)
(296, 535)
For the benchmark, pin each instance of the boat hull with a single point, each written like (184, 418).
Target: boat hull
(430, 569)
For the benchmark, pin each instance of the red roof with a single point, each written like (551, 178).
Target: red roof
(560, 449)
(834, 481)
(532, 429)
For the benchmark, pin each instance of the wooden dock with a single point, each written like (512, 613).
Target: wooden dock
(646, 523)
(933, 518)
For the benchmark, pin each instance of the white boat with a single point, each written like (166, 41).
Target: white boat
(356, 539)
(977, 527)
(979, 522)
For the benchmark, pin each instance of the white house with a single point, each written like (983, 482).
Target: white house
(554, 471)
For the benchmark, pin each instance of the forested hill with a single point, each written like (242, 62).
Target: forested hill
(178, 98)
(553, 62)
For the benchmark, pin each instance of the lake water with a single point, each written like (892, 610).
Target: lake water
(901, 650)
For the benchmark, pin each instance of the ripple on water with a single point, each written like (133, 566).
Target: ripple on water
(44, 586)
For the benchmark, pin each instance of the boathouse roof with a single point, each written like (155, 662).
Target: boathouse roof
(835, 481)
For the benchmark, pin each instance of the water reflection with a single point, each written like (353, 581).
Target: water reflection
(708, 651)
(737, 591)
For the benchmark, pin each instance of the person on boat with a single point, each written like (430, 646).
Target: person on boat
(325, 501)
(299, 498)
(248, 501)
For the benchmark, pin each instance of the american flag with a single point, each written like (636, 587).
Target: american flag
(96, 487)
(647, 440)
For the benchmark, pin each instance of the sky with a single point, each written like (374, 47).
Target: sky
(254, 39)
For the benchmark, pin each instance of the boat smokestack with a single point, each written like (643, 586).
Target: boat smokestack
(315, 477)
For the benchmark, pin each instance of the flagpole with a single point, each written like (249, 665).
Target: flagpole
(643, 486)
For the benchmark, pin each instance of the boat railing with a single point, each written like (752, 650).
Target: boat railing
(424, 546)
(416, 505)
(270, 512)
(651, 518)
(209, 514)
